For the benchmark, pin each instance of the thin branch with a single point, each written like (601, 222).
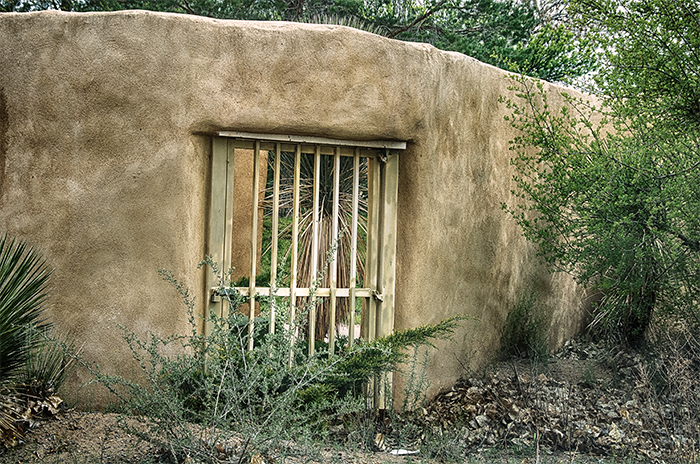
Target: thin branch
(418, 19)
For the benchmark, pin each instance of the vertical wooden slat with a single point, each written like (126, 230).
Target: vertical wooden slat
(314, 245)
(353, 245)
(334, 263)
(217, 219)
(275, 236)
(220, 221)
(388, 244)
(254, 244)
(369, 317)
(295, 249)
(369, 320)
(385, 316)
(228, 228)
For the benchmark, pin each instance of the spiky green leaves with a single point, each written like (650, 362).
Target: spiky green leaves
(24, 279)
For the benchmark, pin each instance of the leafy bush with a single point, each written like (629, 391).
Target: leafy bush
(605, 207)
(608, 187)
(215, 399)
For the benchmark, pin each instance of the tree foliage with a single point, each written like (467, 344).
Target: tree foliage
(525, 35)
(512, 34)
(612, 193)
(652, 51)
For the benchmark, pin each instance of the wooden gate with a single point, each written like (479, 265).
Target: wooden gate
(303, 173)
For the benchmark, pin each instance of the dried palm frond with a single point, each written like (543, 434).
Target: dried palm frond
(305, 273)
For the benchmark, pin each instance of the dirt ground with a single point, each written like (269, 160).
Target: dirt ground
(74, 436)
(596, 391)
(90, 437)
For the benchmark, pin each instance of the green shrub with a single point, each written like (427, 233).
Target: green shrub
(218, 400)
(24, 277)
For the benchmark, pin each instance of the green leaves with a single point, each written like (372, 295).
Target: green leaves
(616, 205)
(23, 292)
(511, 34)
(554, 53)
(198, 390)
(519, 35)
(651, 55)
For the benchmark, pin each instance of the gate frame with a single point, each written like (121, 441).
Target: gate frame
(380, 265)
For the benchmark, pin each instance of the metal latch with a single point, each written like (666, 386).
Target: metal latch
(218, 293)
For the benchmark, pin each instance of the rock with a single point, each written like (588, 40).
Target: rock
(615, 434)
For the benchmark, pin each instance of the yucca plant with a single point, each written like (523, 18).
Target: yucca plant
(24, 277)
(47, 365)
(345, 194)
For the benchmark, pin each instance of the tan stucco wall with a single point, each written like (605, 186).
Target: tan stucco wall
(105, 125)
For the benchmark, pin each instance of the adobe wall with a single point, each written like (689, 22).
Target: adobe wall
(105, 126)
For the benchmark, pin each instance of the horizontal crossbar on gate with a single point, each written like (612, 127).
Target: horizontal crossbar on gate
(300, 292)
(299, 139)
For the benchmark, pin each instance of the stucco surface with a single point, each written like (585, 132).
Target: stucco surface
(105, 131)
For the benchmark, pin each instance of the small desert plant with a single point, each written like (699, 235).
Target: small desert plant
(588, 376)
(524, 333)
(217, 399)
(24, 277)
(417, 380)
(48, 364)
(406, 428)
